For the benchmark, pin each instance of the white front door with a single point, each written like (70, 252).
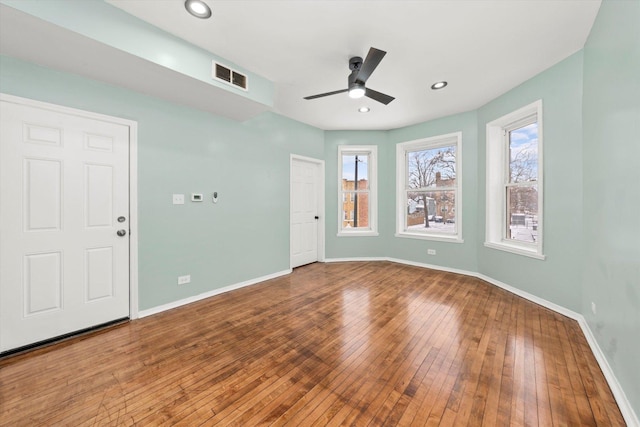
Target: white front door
(64, 192)
(305, 210)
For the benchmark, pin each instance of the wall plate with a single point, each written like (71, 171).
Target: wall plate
(196, 197)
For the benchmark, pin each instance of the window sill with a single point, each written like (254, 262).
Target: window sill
(363, 233)
(437, 238)
(516, 249)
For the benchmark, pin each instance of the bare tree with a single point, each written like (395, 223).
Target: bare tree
(523, 166)
(523, 169)
(424, 167)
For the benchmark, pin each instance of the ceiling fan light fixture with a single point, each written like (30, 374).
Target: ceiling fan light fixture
(364, 109)
(198, 8)
(356, 91)
(439, 85)
(360, 73)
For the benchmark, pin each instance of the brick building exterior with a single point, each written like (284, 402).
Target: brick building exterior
(349, 204)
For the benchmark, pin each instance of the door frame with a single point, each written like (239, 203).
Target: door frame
(133, 180)
(321, 201)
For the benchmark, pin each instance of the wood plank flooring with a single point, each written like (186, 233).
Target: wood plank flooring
(364, 344)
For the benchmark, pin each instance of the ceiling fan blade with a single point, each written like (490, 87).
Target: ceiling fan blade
(335, 92)
(370, 63)
(380, 97)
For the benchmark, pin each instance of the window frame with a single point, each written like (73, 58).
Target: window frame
(372, 173)
(498, 179)
(402, 172)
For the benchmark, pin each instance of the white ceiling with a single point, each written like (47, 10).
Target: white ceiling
(482, 48)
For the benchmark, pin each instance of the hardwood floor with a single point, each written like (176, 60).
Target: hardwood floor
(378, 344)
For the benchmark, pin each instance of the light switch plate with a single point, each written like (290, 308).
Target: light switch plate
(178, 199)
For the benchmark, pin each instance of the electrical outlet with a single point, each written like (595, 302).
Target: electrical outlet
(593, 307)
(431, 251)
(183, 280)
(178, 199)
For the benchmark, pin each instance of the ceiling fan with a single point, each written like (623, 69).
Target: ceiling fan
(360, 72)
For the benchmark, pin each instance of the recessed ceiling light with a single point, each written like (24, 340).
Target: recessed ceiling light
(364, 109)
(439, 85)
(198, 8)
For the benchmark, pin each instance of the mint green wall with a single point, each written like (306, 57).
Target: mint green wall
(453, 255)
(351, 247)
(557, 278)
(125, 32)
(181, 150)
(611, 182)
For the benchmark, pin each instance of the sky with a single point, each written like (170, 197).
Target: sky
(348, 163)
(525, 139)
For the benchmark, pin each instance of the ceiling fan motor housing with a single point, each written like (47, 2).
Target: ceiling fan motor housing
(355, 63)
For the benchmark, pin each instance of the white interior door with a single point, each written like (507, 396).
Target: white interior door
(306, 193)
(64, 183)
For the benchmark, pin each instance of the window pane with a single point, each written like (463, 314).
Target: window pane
(522, 213)
(355, 172)
(523, 154)
(435, 167)
(431, 211)
(355, 208)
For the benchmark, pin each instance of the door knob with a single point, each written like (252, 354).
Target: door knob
(316, 217)
(122, 233)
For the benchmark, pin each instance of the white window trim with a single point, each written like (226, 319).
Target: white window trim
(372, 152)
(401, 172)
(495, 197)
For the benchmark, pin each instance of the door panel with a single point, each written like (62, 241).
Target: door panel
(98, 195)
(64, 179)
(42, 283)
(99, 273)
(42, 194)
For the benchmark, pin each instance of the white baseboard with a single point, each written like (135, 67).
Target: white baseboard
(533, 298)
(627, 411)
(363, 259)
(629, 415)
(431, 266)
(189, 300)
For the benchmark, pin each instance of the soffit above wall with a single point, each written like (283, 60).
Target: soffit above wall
(31, 39)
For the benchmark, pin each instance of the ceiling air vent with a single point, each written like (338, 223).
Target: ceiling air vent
(230, 76)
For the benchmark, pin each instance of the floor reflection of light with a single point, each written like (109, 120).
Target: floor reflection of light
(421, 309)
(356, 318)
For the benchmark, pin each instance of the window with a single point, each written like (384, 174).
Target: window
(429, 188)
(357, 194)
(514, 182)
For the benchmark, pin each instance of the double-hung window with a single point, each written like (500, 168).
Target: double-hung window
(429, 188)
(357, 190)
(514, 182)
